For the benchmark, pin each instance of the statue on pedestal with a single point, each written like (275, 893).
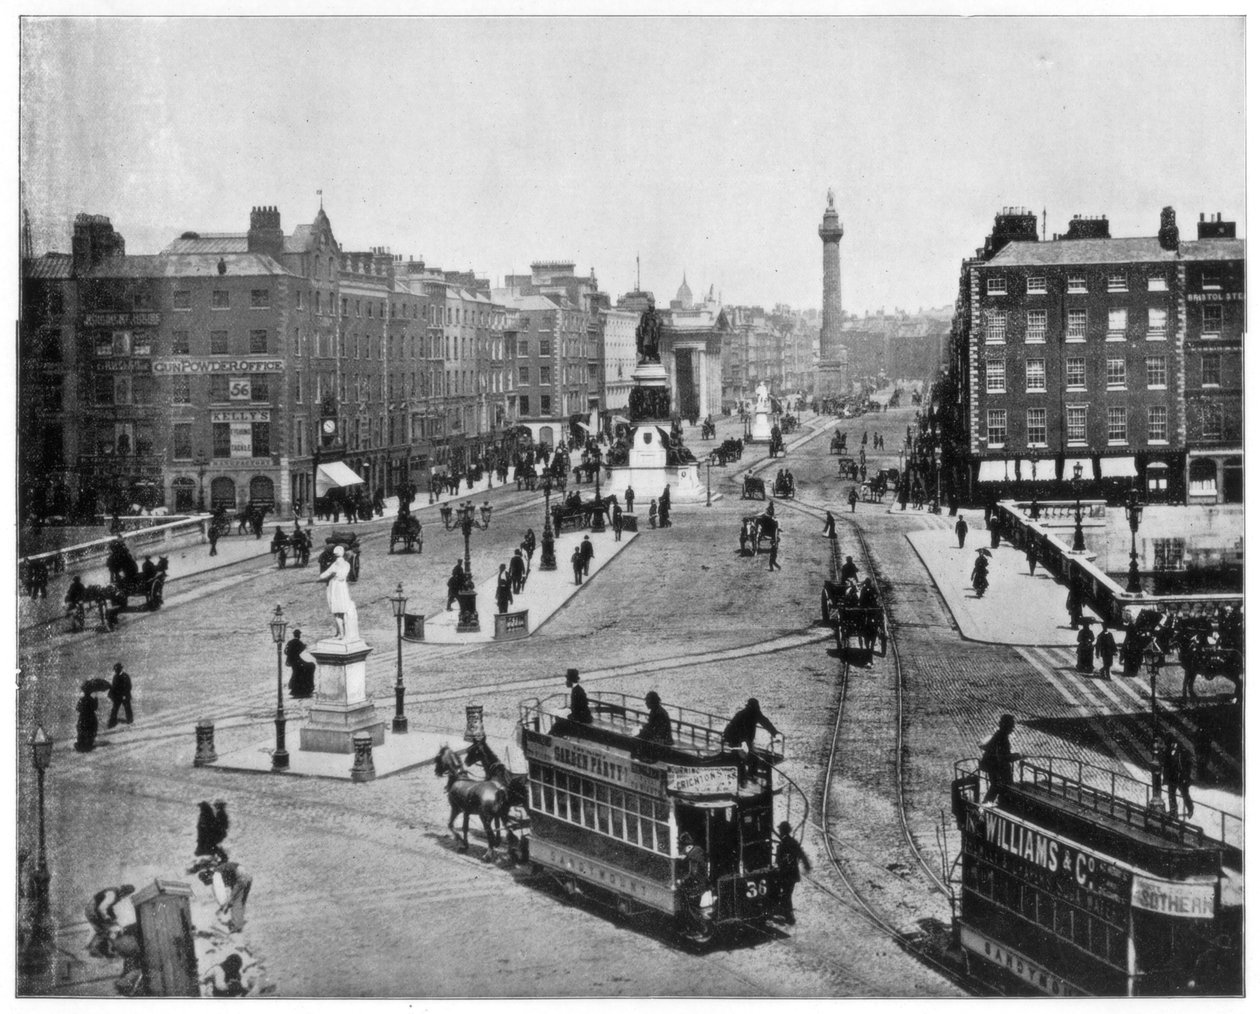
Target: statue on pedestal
(647, 336)
(763, 397)
(345, 616)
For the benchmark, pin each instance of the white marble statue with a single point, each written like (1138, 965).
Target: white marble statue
(763, 397)
(345, 616)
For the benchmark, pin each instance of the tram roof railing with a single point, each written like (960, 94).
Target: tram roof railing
(1121, 798)
(695, 732)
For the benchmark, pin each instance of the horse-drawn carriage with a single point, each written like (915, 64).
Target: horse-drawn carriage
(730, 449)
(839, 443)
(128, 579)
(785, 486)
(756, 530)
(754, 488)
(349, 541)
(777, 446)
(854, 612)
(848, 468)
(708, 430)
(407, 530)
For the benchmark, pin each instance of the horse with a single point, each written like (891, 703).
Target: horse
(467, 795)
(516, 785)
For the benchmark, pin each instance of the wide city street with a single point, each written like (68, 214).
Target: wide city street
(359, 889)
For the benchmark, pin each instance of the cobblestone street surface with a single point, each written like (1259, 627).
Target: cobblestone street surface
(359, 889)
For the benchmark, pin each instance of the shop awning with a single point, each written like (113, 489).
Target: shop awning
(1044, 469)
(996, 471)
(1117, 468)
(334, 475)
(1087, 468)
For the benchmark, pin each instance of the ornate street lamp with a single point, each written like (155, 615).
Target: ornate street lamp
(1133, 511)
(1078, 537)
(278, 624)
(399, 603)
(597, 517)
(469, 623)
(548, 560)
(37, 951)
(1153, 662)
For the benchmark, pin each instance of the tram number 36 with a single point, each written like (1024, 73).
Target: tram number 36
(755, 889)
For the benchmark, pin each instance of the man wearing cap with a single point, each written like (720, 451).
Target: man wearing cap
(789, 857)
(579, 707)
(659, 729)
(695, 881)
(741, 730)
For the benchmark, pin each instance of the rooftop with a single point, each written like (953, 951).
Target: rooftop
(1114, 251)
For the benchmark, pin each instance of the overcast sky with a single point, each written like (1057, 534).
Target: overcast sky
(702, 145)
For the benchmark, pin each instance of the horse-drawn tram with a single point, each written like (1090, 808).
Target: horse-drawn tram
(1074, 881)
(608, 808)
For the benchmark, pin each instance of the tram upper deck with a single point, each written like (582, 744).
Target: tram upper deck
(1120, 815)
(617, 723)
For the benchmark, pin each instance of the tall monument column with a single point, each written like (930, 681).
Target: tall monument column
(833, 357)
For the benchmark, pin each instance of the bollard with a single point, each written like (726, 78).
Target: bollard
(363, 770)
(474, 729)
(205, 744)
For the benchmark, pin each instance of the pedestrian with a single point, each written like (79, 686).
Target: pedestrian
(225, 979)
(695, 883)
(579, 706)
(629, 499)
(104, 919)
(213, 536)
(789, 857)
(853, 499)
(1105, 649)
(995, 531)
(1085, 651)
(503, 592)
(302, 672)
(652, 515)
(454, 583)
(588, 554)
(1074, 603)
(120, 695)
(1189, 657)
(576, 561)
(1031, 554)
(236, 885)
(774, 554)
(1176, 767)
(616, 522)
(529, 545)
(829, 526)
(86, 722)
(996, 758)
(664, 507)
(741, 732)
(659, 728)
(960, 529)
(516, 572)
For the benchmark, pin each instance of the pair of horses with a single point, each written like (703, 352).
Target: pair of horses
(491, 798)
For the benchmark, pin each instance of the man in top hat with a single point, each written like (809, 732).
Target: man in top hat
(579, 707)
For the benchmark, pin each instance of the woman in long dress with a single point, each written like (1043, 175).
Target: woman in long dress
(345, 616)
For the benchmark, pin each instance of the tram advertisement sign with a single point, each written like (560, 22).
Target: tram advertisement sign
(1186, 900)
(1056, 864)
(1029, 971)
(702, 781)
(588, 759)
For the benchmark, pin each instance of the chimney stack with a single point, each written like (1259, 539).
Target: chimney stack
(1169, 237)
(265, 234)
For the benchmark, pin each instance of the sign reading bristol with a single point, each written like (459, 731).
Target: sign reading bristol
(702, 781)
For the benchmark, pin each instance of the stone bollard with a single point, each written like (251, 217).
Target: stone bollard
(205, 744)
(363, 770)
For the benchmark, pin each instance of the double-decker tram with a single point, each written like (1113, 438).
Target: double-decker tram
(1075, 881)
(607, 809)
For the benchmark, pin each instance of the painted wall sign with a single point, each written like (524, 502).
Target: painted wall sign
(240, 415)
(122, 319)
(186, 365)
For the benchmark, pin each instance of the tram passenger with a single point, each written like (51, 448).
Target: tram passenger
(996, 760)
(659, 729)
(695, 882)
(789, 857)
(579, 707)
(1176, 766)
(740, 732)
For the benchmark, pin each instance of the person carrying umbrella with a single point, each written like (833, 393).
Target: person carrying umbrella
(980, 573)
(87, 723)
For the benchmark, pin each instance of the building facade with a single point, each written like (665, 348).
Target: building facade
(1122, 356)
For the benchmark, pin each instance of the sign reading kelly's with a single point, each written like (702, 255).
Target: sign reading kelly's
(184, 364)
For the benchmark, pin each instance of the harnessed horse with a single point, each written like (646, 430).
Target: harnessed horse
(516, 785)
(467, 795)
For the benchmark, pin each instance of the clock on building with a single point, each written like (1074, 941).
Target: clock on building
(329, 427)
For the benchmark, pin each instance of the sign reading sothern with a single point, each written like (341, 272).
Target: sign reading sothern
(1184, 900)
(592, 760)
(702, 781)
(214, 365)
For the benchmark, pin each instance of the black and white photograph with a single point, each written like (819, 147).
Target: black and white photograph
(627, 502)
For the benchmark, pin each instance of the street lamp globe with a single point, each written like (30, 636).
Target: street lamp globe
(278, 625)
(398, 601)
(485, 514)
(41, 749)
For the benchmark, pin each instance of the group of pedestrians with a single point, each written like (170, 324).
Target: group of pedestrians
(118, 690)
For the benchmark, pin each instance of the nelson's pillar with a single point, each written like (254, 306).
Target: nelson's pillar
(833, 357)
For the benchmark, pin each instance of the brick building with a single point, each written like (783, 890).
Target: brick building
(1120, 355)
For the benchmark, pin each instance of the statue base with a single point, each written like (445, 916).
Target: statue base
(341, 707)
(760, 433)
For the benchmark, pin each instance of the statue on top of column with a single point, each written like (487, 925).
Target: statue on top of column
(831, 199)
(647, 336)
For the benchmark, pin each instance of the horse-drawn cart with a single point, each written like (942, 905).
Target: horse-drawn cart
(755, 530)
(407, 530)
(754, 488)
(349, 541)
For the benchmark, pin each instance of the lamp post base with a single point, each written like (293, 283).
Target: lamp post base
(280, 756)
(469, 623)
(548, 561)
(400, 720)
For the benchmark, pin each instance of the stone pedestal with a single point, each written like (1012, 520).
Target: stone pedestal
(341, 706)
(760, 427)
(646, 469)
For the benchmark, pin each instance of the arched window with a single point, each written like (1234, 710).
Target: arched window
(223, 493)
(262, 491)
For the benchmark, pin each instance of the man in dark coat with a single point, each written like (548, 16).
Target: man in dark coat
(1176, 766)
(454, 583)
(120, 695)
(695, 881)
(1074, 603)
(579, 707)
(302, 677)
(629, 499)
(829, 526)
(849, 571)
(516, 572)
(578, 564)
(1105, 649)
(659, 728)
(86, 724)
(503, 591)
(530, 544)
(741, 731)
(588, 554)
(995, 532)
(774, 554)
(1085, 650)
(616, 522)
(789, 857)
(960, 529)
(1031, 554)
(996, 759)
(853, 499)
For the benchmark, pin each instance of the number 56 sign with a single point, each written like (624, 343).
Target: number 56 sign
(238, 389)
